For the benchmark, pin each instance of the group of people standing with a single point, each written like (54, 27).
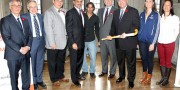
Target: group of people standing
(28, 34)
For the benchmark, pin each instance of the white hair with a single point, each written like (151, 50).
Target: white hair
(11, 2)
(30, 2)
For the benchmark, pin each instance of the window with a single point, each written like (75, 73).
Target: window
(96, 4)
(39, 5)
(157, 4)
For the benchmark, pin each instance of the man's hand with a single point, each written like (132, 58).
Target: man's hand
(24, 50)
(53, 46)
(74, 46)
(109, 37)
(123, 35)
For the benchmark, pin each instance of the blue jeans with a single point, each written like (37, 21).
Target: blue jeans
(147, 56)
(91, 47)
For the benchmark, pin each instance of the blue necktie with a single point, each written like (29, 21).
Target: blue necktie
(36, 27)
(20, 24)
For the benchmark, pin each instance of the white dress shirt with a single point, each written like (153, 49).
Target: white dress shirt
(169, 29)
(33, 27)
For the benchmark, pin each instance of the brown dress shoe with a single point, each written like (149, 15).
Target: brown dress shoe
(64, 80)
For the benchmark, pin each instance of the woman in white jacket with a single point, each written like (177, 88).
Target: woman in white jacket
(169, 30)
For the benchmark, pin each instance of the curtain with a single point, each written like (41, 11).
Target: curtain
(2, 9)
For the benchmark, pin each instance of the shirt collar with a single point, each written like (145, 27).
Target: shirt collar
(109, 8)
(124, 8)
(56, 8)
(77, 9)
(32, 15)
(16, 17)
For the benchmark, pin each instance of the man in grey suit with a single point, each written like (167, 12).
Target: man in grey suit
(56, 40)
(107, 47)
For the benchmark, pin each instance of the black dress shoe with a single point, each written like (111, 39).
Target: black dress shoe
(102, 74)
(119, 80)
(131, 84)
(92, 75)
(42, 84)
(77, 84)
(111, 76)
(81, 78)
(84, 74)
(35, 87)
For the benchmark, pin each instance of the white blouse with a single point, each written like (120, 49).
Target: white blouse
(169, 29)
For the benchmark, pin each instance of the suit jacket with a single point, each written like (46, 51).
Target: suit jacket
(40, 18)
(74, 28)
(105, 27)
(14, 37)
(55, 29)
(128, 23)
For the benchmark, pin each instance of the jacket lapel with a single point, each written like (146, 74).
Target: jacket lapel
(77, 14)
(125, 13)
(57, 14)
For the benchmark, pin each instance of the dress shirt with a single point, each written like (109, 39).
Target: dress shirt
(105, 9)
(33, 27)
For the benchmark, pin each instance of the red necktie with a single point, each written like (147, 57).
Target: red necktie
(106, 15)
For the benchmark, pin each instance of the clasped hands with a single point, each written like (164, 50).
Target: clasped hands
(24, 50)
(119, 36)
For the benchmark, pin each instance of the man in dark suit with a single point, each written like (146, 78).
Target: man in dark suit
(37, 49)
(125, 21)
(17, 37)
(76, 35)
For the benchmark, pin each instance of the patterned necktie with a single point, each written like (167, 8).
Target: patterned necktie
(20, 24)
(36, 27)
(106, 15)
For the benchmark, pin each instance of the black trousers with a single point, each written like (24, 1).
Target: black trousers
(14, 67)
(76, 60)
(56, 61)
(130, 56)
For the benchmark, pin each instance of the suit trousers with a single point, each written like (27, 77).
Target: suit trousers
(108, 48)
(37, 58)
(14, 67)
(56, 61)
(76, 60)
(130, 56)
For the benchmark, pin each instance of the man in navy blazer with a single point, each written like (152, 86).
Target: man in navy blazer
(38, 44)
(17, 37)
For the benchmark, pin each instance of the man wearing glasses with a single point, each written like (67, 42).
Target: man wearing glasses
(37, 49)
(17, 37)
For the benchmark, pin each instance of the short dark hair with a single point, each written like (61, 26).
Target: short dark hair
(172, 9)
(91, 4)
(153, 8)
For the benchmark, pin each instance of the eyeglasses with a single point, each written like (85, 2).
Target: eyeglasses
(18, 6)
(33, 7)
